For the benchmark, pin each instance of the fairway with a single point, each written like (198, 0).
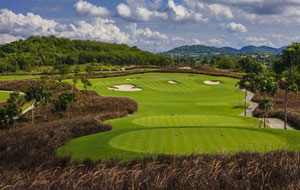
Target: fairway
(3, 96)
(183, 118)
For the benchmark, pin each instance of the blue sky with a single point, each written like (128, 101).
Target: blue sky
(155, 25)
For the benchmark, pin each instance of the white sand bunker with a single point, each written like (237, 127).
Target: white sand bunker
(187, 68)
(125, 87)
(130, 79)
(211, 82)
(172, 82)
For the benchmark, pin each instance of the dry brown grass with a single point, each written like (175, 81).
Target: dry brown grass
(278, 170)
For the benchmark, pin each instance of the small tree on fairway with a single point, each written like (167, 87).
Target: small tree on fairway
(37, 94)
(85, 83)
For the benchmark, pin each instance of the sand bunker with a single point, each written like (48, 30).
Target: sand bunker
(130, 79)
(187, 68)
(125, 87)
(210, 82)
(172, 82)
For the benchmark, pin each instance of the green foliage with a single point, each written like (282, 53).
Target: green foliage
(266, 104)
(85, 83)
(89, 69)
(249, 66)
(62, 52)
(61, 104)
(10, 110)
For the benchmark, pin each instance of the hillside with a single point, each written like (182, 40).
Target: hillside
(45, 51)
(210, 50)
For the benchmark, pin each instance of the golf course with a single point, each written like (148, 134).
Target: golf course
(186, 116)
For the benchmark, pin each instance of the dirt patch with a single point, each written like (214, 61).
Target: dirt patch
(212, 82)
(125, 87)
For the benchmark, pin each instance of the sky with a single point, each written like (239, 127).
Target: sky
(155, 25)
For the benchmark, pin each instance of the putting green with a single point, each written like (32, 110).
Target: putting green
(196, 140)
(197, 112)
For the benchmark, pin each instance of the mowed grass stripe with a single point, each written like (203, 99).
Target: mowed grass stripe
(194, 120)
(197, 140)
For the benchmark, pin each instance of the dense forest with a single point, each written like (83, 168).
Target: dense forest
(52, 51)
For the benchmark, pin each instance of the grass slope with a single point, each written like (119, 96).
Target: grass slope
(3, 96)
(190, 117)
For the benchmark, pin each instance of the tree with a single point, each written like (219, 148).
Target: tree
(267, 86)
(61, 104)
(37, 94)
(89, 69)
(288, 70)
(77, 70)
(85, 83)
(249, 66)
(10, 110)
(75, 81)
(248, 83)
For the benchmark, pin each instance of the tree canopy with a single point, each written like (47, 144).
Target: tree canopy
(39, 51)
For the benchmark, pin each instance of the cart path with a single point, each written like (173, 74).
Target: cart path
(274, 123)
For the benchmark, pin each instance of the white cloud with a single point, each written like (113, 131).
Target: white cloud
(139, 11)
(196, 42)
(124, 10)
(23, 26)
(218, 42)
(146, 33)
(259, 41)
(7, 38)
(84, 8)
(235, 28)
(179, 13)
(221, 10)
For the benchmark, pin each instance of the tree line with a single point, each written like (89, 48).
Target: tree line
(283, 74)
(51, 51)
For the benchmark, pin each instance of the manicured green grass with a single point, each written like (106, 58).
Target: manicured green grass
(3, 96)
(196, 140)
(189, 117)
(18, 77)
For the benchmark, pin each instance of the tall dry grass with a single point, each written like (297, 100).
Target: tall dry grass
(278, 170)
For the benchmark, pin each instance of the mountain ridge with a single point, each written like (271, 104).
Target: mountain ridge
(200, 49)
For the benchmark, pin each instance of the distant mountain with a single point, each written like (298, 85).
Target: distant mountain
(260, 49)
(230, 49)
(211, 50)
